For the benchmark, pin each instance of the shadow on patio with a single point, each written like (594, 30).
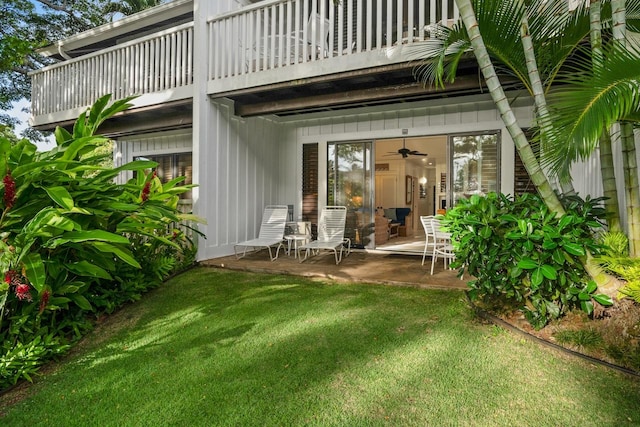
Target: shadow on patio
(361, 267)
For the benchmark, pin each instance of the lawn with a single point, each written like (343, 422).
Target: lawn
(217, 348)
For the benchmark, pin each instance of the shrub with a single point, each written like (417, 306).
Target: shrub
(73, 242)
(616, 261)
(519, 252)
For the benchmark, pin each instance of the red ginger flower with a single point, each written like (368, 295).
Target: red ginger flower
(145, 191)
(23, 293)
(9, 190)
(147, 188)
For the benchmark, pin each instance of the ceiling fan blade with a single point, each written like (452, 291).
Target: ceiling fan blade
(417, 153)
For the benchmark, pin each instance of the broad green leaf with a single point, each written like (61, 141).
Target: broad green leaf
(527, 264)
(81, 301)
(34, 269)
(587, 306)
(85, 268)
(122, 253)
(549, 272)
(591, 286)
(564, 221)
(536, 278)
(603, 299)
(574, 249)
(61, 196)
(62, 135)
(84, 236)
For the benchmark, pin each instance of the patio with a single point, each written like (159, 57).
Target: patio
(358, 267)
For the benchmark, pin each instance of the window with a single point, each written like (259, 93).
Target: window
(475, 165)
(171, 166)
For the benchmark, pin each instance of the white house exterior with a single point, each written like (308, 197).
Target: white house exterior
(255, 100)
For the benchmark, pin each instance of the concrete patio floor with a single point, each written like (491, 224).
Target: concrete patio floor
(358, 267)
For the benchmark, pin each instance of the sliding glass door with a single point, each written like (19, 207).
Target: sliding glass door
(349, 176)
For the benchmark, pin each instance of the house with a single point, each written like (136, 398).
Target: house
(297, 102)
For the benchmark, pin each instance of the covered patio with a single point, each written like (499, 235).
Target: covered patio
(358, 267)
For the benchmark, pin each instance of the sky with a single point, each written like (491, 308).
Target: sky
(16, 111)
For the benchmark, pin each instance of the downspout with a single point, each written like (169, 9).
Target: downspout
(62, 52)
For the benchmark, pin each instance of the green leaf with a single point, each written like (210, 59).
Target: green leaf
(122, 253)
(574, 249)
(603, 299)
(536, 278)
(81, 301)
(34, 268)
(61, 196)
(527, 264)
(587, 306)
(85, 268)
(84, 236)
(549, 272)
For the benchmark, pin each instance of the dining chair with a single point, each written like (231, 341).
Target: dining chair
(442, 247)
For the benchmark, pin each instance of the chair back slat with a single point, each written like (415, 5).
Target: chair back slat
(332, 223)
(274, 219)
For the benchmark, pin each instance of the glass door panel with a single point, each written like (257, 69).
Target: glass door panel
(349, 173)
(475, 165)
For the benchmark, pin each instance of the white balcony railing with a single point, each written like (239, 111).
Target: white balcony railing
(275, 37)
(155, 63)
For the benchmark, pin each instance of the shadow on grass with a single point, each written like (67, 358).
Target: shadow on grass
(226, 348)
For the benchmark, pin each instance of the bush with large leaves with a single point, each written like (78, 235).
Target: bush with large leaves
(73, 242)
(524, 256)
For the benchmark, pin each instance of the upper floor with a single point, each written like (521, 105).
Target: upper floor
(269, 57)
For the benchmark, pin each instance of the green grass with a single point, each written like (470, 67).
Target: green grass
(219, 348)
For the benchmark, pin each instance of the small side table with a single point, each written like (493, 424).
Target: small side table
(299, 234)
(295, 238)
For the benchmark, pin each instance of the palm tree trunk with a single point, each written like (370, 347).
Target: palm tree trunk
(632, 187)
(502, 104)
(538, 91)
(607, 168)
(610, 191)
(605, 282)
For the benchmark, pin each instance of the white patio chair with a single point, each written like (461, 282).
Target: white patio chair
(442, 247)
(271, 232)
(330, 234)
(428, 239)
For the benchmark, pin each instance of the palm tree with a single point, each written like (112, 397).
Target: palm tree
(548, 40)
(504, 108)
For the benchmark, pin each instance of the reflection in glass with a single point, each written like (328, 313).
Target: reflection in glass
(349, 173)
(475, 165)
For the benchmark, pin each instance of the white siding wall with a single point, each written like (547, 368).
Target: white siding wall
(127, 148)
(239, 175)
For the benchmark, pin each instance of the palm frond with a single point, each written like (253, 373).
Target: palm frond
(590, 98)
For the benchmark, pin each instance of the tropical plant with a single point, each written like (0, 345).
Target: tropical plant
(521, 253)
(68, 234)
(616, 260)
(531, 42)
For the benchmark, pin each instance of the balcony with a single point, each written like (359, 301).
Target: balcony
(280, 40)
(158, 68)
(272, 51)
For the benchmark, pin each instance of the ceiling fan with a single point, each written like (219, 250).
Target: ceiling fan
(405, 152)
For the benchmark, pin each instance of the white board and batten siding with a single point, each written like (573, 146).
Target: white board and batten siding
(152, 144)
(239, 174)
